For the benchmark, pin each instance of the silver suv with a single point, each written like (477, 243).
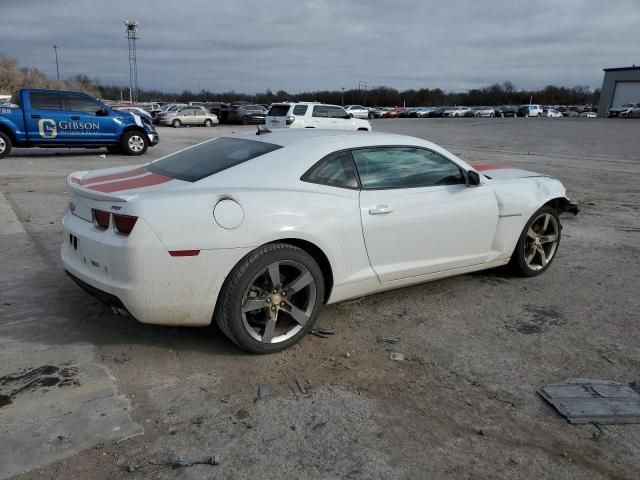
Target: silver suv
(313, 115)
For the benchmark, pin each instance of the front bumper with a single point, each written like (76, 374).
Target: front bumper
(154, 138)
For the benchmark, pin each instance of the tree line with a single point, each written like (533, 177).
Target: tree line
(13, 77)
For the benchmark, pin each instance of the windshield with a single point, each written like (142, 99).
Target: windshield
(208, 158)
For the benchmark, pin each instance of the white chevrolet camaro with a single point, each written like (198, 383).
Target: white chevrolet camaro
(258, 232)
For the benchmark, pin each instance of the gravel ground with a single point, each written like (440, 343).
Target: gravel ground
(94, 395)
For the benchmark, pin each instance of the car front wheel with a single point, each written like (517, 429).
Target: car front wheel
(134, 143)
(271, 299)
(538, 243)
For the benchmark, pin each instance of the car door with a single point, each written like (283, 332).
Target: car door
(418, 214)
(340, 119)
(198, 116)
(89, 120)
(320, 117)
(46, 119)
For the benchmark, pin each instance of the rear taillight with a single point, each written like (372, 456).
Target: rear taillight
(101, 218)
(290, 119)
(124, 223)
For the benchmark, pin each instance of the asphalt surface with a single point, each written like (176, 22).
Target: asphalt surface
(86, 394)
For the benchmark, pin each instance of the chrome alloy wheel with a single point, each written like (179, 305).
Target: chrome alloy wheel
(3, 145)
(278, 302)
(136, 143)
(541, 242)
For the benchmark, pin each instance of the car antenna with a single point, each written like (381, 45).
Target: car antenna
(262, 130)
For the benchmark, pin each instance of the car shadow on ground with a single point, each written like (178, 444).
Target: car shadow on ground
(60, 313)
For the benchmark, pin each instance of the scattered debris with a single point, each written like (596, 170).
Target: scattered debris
(264, 391)
(481, 432)
(131, 468)
(303, 386)
(347, 355)
(198, 421)
(584, 400)
(390, 340)
(104, 155)
(330, 358)
(322, 332)
(398, 357)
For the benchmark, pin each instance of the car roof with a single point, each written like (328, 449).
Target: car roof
(288, 136)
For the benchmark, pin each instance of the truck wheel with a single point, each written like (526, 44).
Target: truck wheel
(176, 123)
(134, 143)
(5, 145)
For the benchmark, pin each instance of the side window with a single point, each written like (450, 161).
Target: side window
(321, 111)
(337, 112)
(79, 103)
(45, 101)
(300, 110)
(404, 167)
(335, 170)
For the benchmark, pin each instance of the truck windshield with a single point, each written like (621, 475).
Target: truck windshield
(209, 158)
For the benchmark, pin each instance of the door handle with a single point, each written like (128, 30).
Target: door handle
(35, 115)
(75, 117)
(380, 210)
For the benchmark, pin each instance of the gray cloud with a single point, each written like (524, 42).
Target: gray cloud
(295, 45)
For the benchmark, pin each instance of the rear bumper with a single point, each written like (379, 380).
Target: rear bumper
(138, 274)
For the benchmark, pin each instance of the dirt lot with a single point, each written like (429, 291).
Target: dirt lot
(91, 395)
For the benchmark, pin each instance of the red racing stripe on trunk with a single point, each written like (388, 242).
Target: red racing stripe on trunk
(115, 176)
(488, 166)
(140, 182)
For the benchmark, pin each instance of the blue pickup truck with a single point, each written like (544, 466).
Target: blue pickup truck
(52, 118)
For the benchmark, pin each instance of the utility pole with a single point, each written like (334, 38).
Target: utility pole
(55, 49)
(363, 86)
(342, 97)
(132, 36)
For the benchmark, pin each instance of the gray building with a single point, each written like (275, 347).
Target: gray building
(619, 86)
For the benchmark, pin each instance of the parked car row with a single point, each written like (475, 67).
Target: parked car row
(530, 110)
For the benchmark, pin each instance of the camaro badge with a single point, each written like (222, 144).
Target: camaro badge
(47, 128)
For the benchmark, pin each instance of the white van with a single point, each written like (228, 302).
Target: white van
(313, 115)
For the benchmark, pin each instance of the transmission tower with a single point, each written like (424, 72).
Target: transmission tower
(132, 36)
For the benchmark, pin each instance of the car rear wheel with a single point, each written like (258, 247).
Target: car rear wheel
(176, 123)
(208, 123)
(5, 145)
(538, 243)
(271, 299)
(134, 143)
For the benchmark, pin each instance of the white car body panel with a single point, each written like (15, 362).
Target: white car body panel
(456, 112)
(309, 120)
(477, 227)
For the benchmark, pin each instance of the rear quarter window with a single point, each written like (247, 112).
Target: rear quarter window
(209, 158)
(279, 111)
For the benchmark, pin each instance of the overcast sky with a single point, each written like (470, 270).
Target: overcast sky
(297, 45)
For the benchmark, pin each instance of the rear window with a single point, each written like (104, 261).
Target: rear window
(279, 111)
(210, 158)
(45, 101)
(300, 110)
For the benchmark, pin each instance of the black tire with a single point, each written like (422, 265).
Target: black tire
(113, 149)
(176, 123)
(518, 262)
(245, 120)
(228, 314)
(5, 145)
(208, 123)
(137, 138)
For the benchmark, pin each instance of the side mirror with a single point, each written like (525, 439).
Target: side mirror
(348, 116)
(473, 178)
(103, 112)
